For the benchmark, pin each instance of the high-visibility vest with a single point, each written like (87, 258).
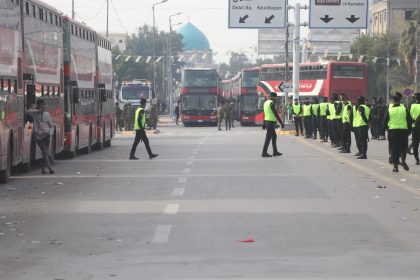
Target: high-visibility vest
(306, 110)
(136, 117)
(315, 110)
(331, 108)
(339, 116)
(357, 117)
(297, 110)
(323, 109)
(397, 117)
(268, 112)
(415, 112)
(346, 113)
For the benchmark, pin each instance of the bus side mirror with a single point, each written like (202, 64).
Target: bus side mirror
(102, 93)
(30, 95)
(75, 93)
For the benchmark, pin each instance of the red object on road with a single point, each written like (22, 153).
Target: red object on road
(249, 240)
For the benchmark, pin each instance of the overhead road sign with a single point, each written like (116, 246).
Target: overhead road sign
(351, 14)
(257, 13)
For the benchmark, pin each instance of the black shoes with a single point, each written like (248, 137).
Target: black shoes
(395, 168)
(358, 154)
(345, 151)
(362, 157)
(405, 166)
(152, 156)
(45, 172)
(52, 171)
(133, 158)
(277, 154)
(266, 155)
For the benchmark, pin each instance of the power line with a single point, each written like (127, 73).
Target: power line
(118, 18)
(95, 16)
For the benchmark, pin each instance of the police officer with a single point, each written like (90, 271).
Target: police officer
(415, 117)
(128, 116)
(307, 118)
(315, 118)
(271, 117)
(347, 126)
(332, 122)
(297, 112)
(361, 113)
(323, 122)
(139, 127)
(398, 122)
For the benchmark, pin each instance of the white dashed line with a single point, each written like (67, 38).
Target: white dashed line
(178, 192)
(162, 234)
(186, 171)
(182, 180)
(171, 209)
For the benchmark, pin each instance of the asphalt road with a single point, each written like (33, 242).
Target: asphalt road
(312, 214)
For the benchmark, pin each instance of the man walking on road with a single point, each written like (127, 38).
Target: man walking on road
(139, 127)
(271, 117)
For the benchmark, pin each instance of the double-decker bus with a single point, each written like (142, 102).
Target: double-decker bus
(199, 96)
(11, 90)
(317, 79)
(248, 95)
(45, 55)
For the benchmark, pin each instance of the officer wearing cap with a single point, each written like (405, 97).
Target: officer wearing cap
(398, 122)
(271, 117)
(415, 117)
(139, 127)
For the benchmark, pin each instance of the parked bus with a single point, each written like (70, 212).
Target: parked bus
(317, 79)
(248, 95)
(45, 55)
(199, 96)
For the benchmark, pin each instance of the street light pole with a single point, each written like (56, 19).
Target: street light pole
(72, 9)
(170, 85)
(154, 44)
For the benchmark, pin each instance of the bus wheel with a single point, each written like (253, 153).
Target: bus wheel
(5, 174)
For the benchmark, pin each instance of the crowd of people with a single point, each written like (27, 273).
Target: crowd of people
(225, 111)
(334, 120)
(125, 117)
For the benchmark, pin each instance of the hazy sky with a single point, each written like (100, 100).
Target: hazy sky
(211, 17)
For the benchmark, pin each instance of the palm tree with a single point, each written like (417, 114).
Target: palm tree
(408, 43)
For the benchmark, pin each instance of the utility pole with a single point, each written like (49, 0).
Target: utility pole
(72, 9)
(107, 17)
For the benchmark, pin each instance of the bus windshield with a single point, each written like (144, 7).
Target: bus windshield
(199, 102)
(199, 78)
(135, 92)
(250, 78)
(348, 71)
(249, 102)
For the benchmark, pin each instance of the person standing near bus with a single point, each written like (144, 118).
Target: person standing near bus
(219, 115)
(140, 128)
(323, 122)
(315, 118)
(347, 126)
(415, 118)
(228, 115)
(361, 113)
(297, 112)
(176, 114)
(43, 130)
(307, 118)
(398, 122)
(271, 117)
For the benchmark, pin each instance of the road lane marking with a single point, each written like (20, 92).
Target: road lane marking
(171, 209)
(162, 234)
(186, 170)
(365, 169)
(178, 192)
(182, 180)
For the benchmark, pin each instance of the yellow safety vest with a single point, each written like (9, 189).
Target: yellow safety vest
(357, 117)
(136, 117)
(306, 110)
(397, 117)
(297, 110)
(268, 112)
(415, 112)
(315, 110)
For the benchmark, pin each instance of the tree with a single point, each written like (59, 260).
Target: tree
(408, 45)
(238, 61)
(141, 44)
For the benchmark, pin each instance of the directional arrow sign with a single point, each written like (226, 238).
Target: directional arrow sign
(286, 86)
(352, 14)
(257, 13)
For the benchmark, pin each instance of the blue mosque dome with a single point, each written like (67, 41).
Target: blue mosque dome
(193, 38)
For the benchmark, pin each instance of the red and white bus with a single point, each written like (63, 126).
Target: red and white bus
(317, 79)
(248, 95)
(199, 95)
(45, 55)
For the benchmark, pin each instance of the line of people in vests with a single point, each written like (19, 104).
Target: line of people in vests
(335, 119)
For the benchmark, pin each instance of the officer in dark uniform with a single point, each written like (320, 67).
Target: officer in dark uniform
(315, 118)
(361, 113)
(297, 112)
(398, 123)
(415, 117)
(347, 126)
(139, 127)
(307, 118)
(271, 117)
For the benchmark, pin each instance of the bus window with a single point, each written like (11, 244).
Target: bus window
(347, 71)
